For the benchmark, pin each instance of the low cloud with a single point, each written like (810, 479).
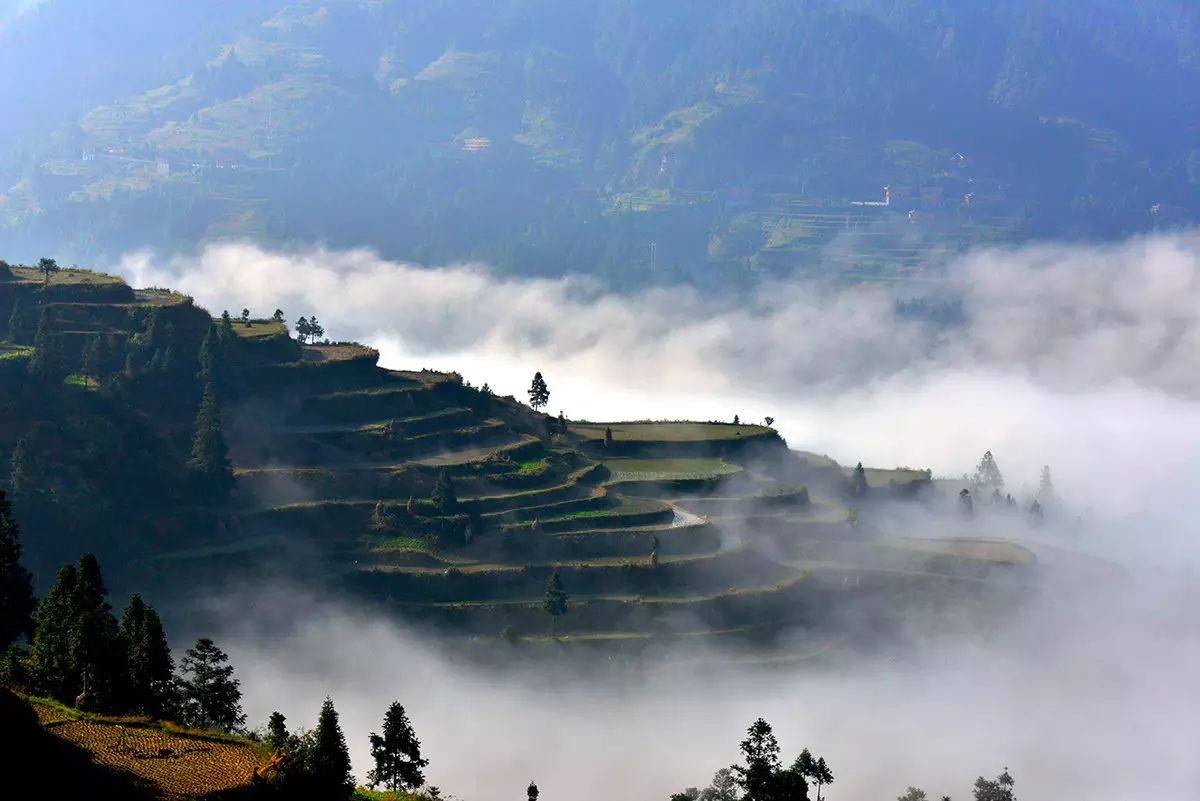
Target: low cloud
(1082, 357)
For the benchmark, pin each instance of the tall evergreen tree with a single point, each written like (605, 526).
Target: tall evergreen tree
(859, 487)
(554, 601)
(210, 455)
(758, 777)
(328, 757)
(226, 330)
(1045, 492)
(539, 393)
(445, 497)
(50, 652)
(397, 753)
(211, 696)
(96, 652)
(47, 363)
(150, 669)
(987, 473)
(16, 584)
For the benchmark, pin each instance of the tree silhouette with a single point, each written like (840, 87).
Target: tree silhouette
(554, 602)
(397, 753)
(210, 455)
(47, 363)
(212, 697)
(16, 583)
(859, 487)
(445, 497)
(328, 757)
(987, 473)
(150, 669)
(47, 267)
(539, 393)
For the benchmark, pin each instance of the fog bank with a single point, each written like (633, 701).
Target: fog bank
(1084, 358)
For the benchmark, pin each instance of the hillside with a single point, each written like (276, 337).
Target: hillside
(446, 504)
(640, 143)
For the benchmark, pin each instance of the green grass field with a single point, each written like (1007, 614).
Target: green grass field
(258, 329)
(669, 432)
(64, 276)
(668, 469)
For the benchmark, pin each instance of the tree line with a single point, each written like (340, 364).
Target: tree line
(763, 776)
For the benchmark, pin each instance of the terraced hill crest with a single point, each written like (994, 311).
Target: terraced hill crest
(453, 507)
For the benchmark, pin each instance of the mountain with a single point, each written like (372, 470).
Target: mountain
(637, 142)
(437, 501)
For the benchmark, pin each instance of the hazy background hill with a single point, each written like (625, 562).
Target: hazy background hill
(640, 142)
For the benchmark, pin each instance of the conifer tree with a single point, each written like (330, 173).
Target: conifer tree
(859, 487)
(397, 753)
(16, 584)
(95, 645)
(445, 497)
(211, 696)
(150, 669)
(210, 455)
(315, 329)
(50, 652)
(47, 363)
(532, 792)
(555, 601)
(1045, 491)
(226, 331)
(608, 437)
(987, 473)
(539, 393)
(303, 329)
(328, 757)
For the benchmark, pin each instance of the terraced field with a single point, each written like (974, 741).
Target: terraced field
(179, 764)
(414, 490)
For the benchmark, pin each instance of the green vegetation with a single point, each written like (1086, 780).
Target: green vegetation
(668, 432)
(668, 469)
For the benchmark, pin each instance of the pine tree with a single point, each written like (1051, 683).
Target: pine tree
(47, 363)
(277, 316)
(531, 792)
(211, 696)
(397, 753)
(50, 651)
(303, 329)
(555, 601)
(608, 437)
(210, 455)
(859, 487)
(150, 669)
(539, 393)
(21, 471)
(445, 497)
(328, 757)
(95, 645)
(315, 330)
(987, 473)
(1045, 491)
(760, 750)
(226, 331)
(16, 583)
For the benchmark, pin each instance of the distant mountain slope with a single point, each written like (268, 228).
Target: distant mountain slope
(640, 142)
